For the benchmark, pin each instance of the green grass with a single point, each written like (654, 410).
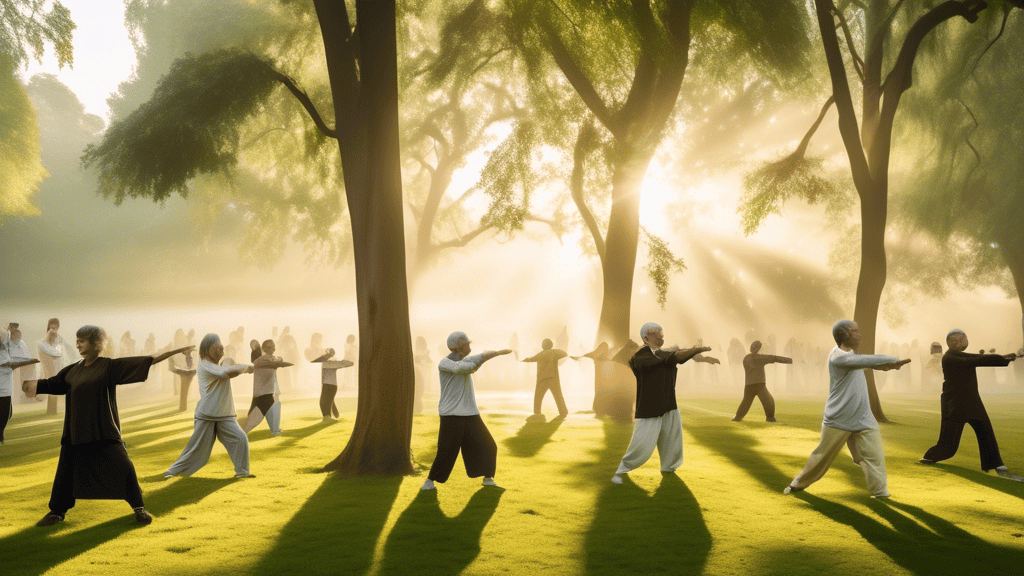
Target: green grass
(722, 513)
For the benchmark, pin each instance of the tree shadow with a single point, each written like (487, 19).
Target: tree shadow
(36, 550)
(636, 533)
(336, 530)
(33, 453)
(425, 540)
(291, 437)
(1009, 487)
(534, 434)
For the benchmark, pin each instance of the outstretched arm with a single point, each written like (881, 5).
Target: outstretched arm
(859, 361)
(780, 360)
(157, 358)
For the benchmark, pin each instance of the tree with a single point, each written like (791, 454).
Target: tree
(193, 126)
(26, 28)
(867, 141)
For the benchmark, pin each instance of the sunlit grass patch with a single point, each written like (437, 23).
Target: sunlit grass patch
(557, 513)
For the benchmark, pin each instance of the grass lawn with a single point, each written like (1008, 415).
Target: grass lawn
(721, 513)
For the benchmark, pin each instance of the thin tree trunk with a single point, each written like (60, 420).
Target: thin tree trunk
(380, 441)
(1015, 262)
(870, 285)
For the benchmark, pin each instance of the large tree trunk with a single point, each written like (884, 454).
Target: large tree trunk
(870, 284)
(1015, 262)
(369, 148)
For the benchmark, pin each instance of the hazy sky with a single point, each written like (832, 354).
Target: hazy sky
(104, 56)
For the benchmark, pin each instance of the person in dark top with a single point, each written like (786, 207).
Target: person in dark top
(961, 404)
(93, 462)
(657, 418)
(756, 382)
(547, 377)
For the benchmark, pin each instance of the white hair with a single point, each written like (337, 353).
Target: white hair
(648, 328)
(454, 338)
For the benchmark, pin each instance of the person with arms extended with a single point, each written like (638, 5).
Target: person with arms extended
(657, 423)
(329, 383)
(93, 462)
(215, 414)
(8, 364)
(756, 383)
(961, 405)
(264, 390)
(547, 377)
(848, 419)
(462, 428)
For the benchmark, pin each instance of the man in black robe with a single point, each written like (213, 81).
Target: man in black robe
(961, 404)
(93, 462)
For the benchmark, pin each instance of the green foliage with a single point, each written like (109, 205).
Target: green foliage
(661, 263)
(26, 27)
(20, 165)
(768, 187)
(509, 179)
(190, 126)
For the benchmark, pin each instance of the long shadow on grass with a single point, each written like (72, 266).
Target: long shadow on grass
(35, 550)
(637, 533)
(335, 531)
(48, 447)
(1003, 485)
(532, 436)
(424, 540)
(945, 549)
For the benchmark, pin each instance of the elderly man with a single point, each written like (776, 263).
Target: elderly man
(215, 414)
(657, 417)
(547, 377)
(756, 382)
(462, 428)
(265, 391)
(10, 360)
(961, 404)
(848, 419)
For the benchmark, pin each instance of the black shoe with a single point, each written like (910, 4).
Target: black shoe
(143, 517)
(925, 461)
(50, 519)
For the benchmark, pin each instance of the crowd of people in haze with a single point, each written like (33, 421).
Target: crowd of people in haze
(94, 462)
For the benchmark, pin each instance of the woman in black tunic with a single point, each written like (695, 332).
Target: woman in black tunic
(93, 462)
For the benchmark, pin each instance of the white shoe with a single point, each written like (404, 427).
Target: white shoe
(1003, 472)
(489, 482)
(168, 476)
(617, 479)
(882, 496)
(428, 485)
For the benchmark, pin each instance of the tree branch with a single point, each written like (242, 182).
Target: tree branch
(464, 239)
(306, 103)
(1002, 28)
(578, 78)
(858, 64)
(584, 144)
(802, 148)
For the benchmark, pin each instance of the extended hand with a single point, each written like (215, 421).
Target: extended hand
(503, 352)
(895, 365)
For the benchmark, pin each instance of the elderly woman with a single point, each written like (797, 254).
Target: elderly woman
(93, 463)
(329, 381)
(265, 390)
(215, 414)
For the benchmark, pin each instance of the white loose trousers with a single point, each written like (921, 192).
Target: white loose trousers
(664, 432)
(865, 447)
(197, 452)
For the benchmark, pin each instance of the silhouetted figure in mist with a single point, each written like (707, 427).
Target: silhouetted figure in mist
(352, 355)
(93, 462)
(547, 377)
(735, 357)
(264, 389)
(184, 370)
(658, 423)
(462, 428)
(289, 353)
(848, 420)
(961, 404)
(52, 354)
(422, 362)
(127, 344)
(254, 350)
(215, 415)
(931, 375)
(329, 381)
(755, 382)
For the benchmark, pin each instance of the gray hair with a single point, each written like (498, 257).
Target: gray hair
(454, 338)
(208, 341)
(93, 334)
(841, 331)
(648, 328)
(952, 333)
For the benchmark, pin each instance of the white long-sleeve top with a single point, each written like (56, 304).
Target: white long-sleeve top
(457, 396)
(51, 356)
(6, 373)
(847, 407)
(215, 399)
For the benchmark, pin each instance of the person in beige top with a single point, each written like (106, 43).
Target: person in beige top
(547, 377)
(755, 382)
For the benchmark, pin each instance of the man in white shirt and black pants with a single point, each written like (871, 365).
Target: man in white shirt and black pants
(848, 419)
(462, 428)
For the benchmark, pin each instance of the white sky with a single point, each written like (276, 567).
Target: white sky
(104, 56)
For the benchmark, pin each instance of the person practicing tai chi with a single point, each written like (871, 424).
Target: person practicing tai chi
(264, 389)
(961, 404)
(185, 375)
(93, 462)
(848, 419)
(657, 423)
(51, 357)
(8, 364)
(547, 377)
(215, 414)
(462, 428)
(756, 382)
(329, 382)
